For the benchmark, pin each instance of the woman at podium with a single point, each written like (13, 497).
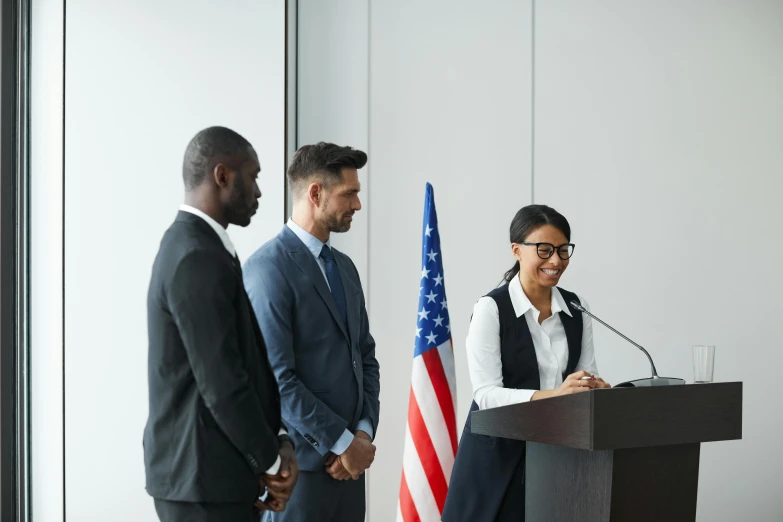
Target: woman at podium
(525, 343)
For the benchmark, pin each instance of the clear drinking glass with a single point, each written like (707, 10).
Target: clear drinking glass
(703, 363)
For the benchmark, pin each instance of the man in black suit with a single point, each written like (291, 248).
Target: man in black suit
(214, 443)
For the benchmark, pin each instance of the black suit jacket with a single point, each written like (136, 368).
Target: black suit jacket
(214, 406)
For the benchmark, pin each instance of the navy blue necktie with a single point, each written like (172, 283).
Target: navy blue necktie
(335, 282)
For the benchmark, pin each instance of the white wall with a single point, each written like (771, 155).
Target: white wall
(658, 134)
(46, 260)
(333, 96)
(141, 79)
(656, 125)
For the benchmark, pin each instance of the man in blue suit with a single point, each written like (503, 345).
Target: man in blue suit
(309, 302)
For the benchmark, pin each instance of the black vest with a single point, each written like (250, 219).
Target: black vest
(520, 365)
(485, 465)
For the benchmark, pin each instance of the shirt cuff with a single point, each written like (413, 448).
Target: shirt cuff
(365, 425)
(496, 396)
(522, 396)
(342, 443)
(275, 467)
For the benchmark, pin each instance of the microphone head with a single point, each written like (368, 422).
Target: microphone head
(577, 306)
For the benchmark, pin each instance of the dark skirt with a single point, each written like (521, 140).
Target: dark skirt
(488, 480)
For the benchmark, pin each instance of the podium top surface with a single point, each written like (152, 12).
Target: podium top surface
(618, 418)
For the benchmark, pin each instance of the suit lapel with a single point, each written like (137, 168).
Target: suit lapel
(303, 259)
(214, 239)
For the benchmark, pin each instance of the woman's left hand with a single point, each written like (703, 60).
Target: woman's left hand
(600, 383)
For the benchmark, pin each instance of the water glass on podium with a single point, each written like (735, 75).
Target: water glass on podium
(703, 363)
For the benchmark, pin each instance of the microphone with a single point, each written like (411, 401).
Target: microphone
(655, 380)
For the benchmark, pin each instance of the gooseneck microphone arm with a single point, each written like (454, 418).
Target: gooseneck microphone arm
(582, 309)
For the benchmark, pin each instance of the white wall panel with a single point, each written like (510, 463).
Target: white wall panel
(46, 259)
(658, 132)
(333, 71)
(142, 78)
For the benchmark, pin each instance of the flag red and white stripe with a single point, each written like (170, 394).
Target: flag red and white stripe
(431, 432)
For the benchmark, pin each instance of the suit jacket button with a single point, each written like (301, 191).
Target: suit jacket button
(354, 364)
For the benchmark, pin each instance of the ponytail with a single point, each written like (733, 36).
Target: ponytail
(511, 274)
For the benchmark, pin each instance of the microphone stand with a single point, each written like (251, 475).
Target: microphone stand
(654, 380)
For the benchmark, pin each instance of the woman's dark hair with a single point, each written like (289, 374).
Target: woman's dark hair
(527, 220)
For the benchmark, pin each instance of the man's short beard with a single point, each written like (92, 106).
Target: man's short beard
(237, 212)
(332, 222)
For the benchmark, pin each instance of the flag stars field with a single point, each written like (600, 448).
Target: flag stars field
(431, 433)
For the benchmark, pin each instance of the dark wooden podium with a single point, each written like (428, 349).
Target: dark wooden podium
(616, 455)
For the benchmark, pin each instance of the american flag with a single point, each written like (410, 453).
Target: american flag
(431, 434)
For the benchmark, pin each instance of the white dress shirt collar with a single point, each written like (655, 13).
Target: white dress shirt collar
(217, 227)
(522, 304)
(313, 244)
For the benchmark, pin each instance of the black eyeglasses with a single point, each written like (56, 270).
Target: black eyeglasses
(545, 250)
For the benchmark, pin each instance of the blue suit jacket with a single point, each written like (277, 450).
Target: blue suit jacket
(328, 375)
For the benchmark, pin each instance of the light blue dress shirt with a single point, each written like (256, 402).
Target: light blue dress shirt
(315, 245)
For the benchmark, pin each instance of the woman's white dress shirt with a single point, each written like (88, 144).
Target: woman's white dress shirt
(549, 340)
